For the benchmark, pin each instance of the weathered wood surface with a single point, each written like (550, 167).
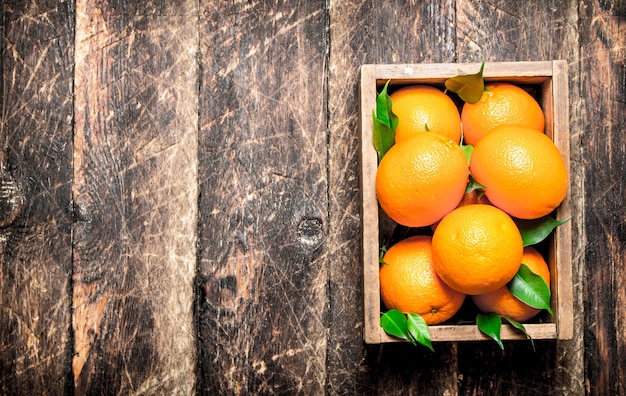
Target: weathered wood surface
(603, 89)
(180, 204)
(517, 31)
(135, 197)
(262, 275)
(36, 110)
(360, 33)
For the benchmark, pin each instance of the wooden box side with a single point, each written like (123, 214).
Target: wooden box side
(457, 333)
(437, 73)
(369, 206)
(563, 298)
(551, 76)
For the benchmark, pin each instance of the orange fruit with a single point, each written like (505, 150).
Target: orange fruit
(503, 302)
(469, 198)
(409, 283)
(422, 108)
(477, 249)
(421, 179)
(501, 104)
(522, 169)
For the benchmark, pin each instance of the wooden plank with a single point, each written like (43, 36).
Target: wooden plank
(363, 33)
(36, 64)
(537, 331)
(369, 207)
(562, 257)
(518, 31)
(262, 278)
(135, 194)
(603, 87)
(514, 30)
(529, 72)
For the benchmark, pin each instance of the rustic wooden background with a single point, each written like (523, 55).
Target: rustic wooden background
(179, 204)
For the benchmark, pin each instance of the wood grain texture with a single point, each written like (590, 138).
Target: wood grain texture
(373, 32)
(214, 242)
(36, 64)
(516, 31)
(135, 194)
(262, 277)
(603, 87)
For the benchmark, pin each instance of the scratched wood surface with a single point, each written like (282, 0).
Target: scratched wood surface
(35, 194)
(135, 197)
(262, 278)
(428, 36)
(558, 368)
(603, 86)
(179, 204)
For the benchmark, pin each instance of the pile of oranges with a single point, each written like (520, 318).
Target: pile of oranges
(475, 247)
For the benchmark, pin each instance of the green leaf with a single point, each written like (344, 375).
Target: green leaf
(468, 149)
(536, 230)
(530, 289)
(385, 123)
(394, 323)
(472, 185)
(381, 254)
(490, 324)
(418, 329)
(469, 87)
(384, 111)
(521, 328)
(383, 137)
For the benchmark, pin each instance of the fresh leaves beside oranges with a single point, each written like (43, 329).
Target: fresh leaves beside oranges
(411, 327)
(487, 195)
(469, 87)
(385, 124)
(536, 230)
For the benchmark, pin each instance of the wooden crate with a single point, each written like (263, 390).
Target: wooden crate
(548, 82)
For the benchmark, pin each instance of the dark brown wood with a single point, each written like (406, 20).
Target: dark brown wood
(36, 66)
(135, 194)
(213, 243)
(360, 32)
(516, 31)
(603, 87)
(262, 276)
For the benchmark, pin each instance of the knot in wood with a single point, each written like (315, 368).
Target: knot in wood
(311, 231)
(12, 201)
(82, 213)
